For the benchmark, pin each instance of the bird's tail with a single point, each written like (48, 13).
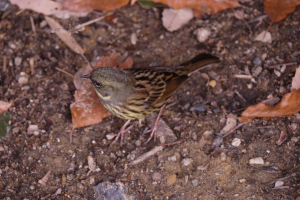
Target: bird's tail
(196, 63)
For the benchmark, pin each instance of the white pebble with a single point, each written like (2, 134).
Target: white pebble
(223, 157)
(258, 161)
(195, 182)
(278, 74)
(279, 183)
(133, 38)
(110, 136)
(203, 34)
(18, 61)
(186, 161)
(236, 142)
(23, 80)
(201, 167)
(172, 158)
(294, 139)
(242, 180)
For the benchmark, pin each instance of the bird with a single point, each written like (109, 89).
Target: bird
(135, 93)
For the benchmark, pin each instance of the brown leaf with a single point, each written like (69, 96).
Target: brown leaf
(90, 5)
(87, 109)
(201, 6)
(278, 9)
(289, 105)
(296, 80)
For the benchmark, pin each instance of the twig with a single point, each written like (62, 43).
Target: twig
(64, 71)
(32, 26)
(242, 76)
(20, 11)
(147, 155)
(235, 91)
(234, 128)
(168, 144)
(281, 187)
(4, 63)
(283, 178)
(286, 64)
(92, 21)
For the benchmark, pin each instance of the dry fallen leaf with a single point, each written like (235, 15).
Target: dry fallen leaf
(175, 19)
(288, 106)
(201, 6)
(278, 9)
(264, 37)
(90, 5)
(87, 109)
(63, 34)
(296, 80)
(47, 7)
(4, 106)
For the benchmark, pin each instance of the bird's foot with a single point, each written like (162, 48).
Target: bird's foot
(123, 130)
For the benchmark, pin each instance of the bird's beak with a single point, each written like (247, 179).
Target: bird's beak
(86, 76)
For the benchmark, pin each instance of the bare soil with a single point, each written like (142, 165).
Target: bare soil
(45, 101)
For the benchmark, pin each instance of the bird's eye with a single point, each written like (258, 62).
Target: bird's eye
(97, 84)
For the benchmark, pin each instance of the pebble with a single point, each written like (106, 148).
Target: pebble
(22, 80)
(242, 180)
(203, 34)
(223, 156)
(278, 74)
(184, 153)
(195, 182)
(236, 142)
(217, 110)
(294, 126)
(294, 139)
(31, 187)
(256, 71)
(31, 129)
(257, 161)
(156, 176)
(201, 167)
(217, 142)
(257, 61)
(110, 136)
(133, 38)
(279, 183)
(92, 181)
(138, 143)
(198, 107)
(186, 106)
(18, 61)
(213, 83)
(186, 161)
(30, 158)
(194, 136)
(171, 179)
(172, 158)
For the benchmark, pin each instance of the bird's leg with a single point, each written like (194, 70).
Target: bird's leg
(154, 129)
(121, 133)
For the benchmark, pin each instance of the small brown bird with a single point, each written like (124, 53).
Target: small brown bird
(135, 93)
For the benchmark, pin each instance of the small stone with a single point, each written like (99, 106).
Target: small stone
(278, 74)
(22, 80)
(242, 180)
(186, 106)
(294, 126)
(92, 181)
(257, 161)
(156, 176)
(110, 136)
(30, 159)
(133, 38)
(263, 57)
(186, 161)
(236, 142)
(198, 107)
(203, 34)
(294, 139)
(201, 167)
(217, 142)
(31, 187)
(172, 158)
(256, 71)
(138, 143)
(43, 24)
(257, 61)
(217, 110)
(18, 61)
(279, 184)
(213, 83)
(32, 128)
(195, 182)
(223, 156)
(184, 153)
(171, 179)
(194, 136)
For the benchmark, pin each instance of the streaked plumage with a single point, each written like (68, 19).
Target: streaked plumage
(135, 93)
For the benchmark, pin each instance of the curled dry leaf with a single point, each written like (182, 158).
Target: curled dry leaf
(289, 105)
(90, 5)
(278, 9)
(63, 34)
(4, 106)
(87, 109)
(175, 19)
(201, 6)
(282, 138)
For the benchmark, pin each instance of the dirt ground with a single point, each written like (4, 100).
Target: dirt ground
(193, 169)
